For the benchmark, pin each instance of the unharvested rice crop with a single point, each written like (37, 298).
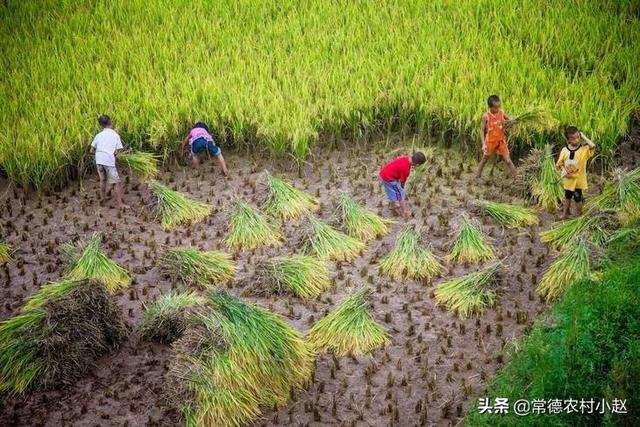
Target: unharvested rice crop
(408, 259)
(349, 328)
(301, 275)
(508, 215)
(621, 193)
(204, 269)
(287, 202)
(328, 243)
(58, 335)
(249, 229)
(174, 208)
(470, 294)
(299, 71)
(143, 164)
(359, 222)
(87, 260)
(234, 360)
(470, 245)
(165, 320)
(572, 266)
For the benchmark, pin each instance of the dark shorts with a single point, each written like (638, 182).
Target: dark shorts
(201, 144)
(575, 195)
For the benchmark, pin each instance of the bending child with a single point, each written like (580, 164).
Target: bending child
(573, 168)
(394, 176)
(200, 141)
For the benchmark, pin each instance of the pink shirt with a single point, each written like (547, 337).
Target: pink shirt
(196, 133)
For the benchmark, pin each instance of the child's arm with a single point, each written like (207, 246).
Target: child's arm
(588, 141)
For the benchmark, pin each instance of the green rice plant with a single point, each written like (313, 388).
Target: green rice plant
(470, 245)
(509, 215)
(572, 266)
(546, 186)
(286, 202)
(174, 208)
(328, 243)
(349, 329)
(529, 123)
(359, 222)
(201, 268)
(58, 335)
(143, 164)
(304, 276)
(165, 320)
(235, 359)
(408, 259)
(594, 223)
(622, 193)
(86, 260)
(6, 253)
(471, 293)
(250, 230)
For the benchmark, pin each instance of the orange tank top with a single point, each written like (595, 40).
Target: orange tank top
(495, 126)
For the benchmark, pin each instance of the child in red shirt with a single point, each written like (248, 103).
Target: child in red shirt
(394, 175)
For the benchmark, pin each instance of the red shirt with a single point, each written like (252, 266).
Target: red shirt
(397, 169)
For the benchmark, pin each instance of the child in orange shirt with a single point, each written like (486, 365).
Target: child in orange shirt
(573, 168)
(492, 135)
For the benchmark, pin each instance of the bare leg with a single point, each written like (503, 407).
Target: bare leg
(510, 165)
(223, 165)
(483, 161)
(194, 161)
(103, 189)
(579, 208)
(403, 208)
(566, 208)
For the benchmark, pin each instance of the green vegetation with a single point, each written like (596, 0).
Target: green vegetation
(58, 335)
(233, 360)
(470, 245)
(469, 294)
(204, 269)
(88, 261)
(572, 266)
(408, 259)
(6, 253)
(173, 208)
(348, 329)
(165, 320)
(508, 215)
(301, 275)
(249, 229)
(539, 178)
(595, 224)
(622, 194)
(143, 164)
(302, 70)
(286, 202)
(328, 243)
(359, 222)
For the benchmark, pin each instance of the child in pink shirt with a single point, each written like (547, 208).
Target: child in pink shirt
(200, 141)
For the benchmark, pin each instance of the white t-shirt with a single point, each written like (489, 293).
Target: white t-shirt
(106, 143)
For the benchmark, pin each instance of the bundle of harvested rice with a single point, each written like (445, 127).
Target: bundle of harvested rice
(6, 253)
(286, 202)
(58, 336)
(348, 329)
(408, 259)
(596, 224)
(328, 243)
(539, 179)
(201, 268)
(572, 266)
(165, 320)
(533, 122)
(87, 261)
(622, 193)
(250, 230)
(469, 294)
(143, 164)
(470, 245)
(174, 208)
(303, 276)
(508, 215)
(359, 222)
(233, 360)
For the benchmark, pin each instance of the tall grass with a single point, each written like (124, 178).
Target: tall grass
(204, 269)
(285, 61)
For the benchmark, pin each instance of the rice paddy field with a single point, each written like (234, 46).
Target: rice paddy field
(288, 293)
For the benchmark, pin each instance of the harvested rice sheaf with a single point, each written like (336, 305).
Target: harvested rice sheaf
(58, 336)
(572, 266)
(621, 193)
(470, 245)
(145, 165)
(409, 260)
(286, 202)
(328, 243)
(349, 329)
(6, 253)
(165, 320)
(469, 294)
(532, 122)
(201, 268)
(595, 224)
(538, 176)
(508, 215)
(233, 361)
(249, 229)
(88, 261)
(359, 222)
(303, 276)
(174, 208)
